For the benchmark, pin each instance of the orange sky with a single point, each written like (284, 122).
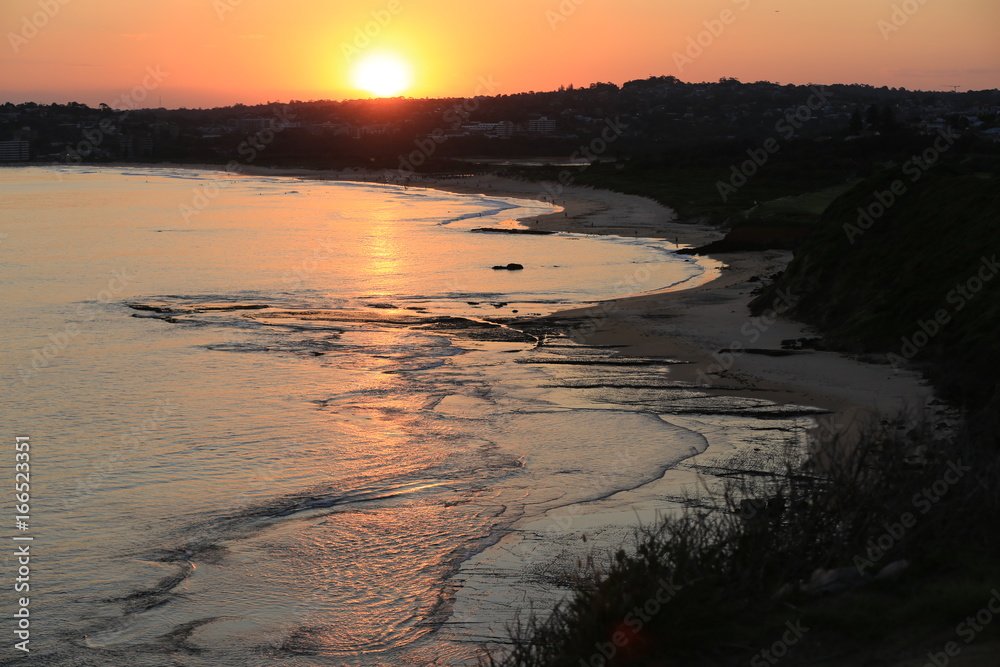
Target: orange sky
(219, 52)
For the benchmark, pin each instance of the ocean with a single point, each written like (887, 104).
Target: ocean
(278, 420)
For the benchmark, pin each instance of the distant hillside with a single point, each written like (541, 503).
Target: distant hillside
(910, 272)
(642, 118)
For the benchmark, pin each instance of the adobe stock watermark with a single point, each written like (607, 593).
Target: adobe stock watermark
(958, 297)
(914, 168)
(598, 146)
(751, 330)
(138, 436)
(599, 313)
(562, 522)
(562, 13)
(130, 100)
(59, 341)
(454, 117)
(32, 25)
(223, 7)
(780, 648)
(296, 277)
(205, 193)
(697, 44)
(632, 625)
(826, 431)
(968, 630)
(923, 501)
(265, 476)
(901, 15)
(786, 127)
(365, 34)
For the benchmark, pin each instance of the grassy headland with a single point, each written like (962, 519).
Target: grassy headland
(888, 555)
(913, 275)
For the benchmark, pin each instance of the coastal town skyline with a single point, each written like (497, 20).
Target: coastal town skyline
(219, 52)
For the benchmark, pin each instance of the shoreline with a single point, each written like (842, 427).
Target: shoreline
(703, 324)
(707, 326)
(691, 325)
(700, 325)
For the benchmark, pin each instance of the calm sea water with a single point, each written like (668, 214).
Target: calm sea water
(248, 444)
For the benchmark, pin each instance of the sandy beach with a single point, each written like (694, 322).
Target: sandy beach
(714, 346)
(709, 326)
(724, 351)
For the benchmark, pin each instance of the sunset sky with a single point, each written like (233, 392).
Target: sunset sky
(220, 52)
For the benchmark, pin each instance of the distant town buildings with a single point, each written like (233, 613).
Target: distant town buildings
(543, 125)
(252, 125)
(501, 130)
(654, 116)
(137, 147)
(15, 151)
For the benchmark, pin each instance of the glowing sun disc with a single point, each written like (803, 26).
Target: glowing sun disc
(382, 75)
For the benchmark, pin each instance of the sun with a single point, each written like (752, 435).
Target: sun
(382, 74)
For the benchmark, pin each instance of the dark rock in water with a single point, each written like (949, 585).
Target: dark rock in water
(161, 318)
(506, 230)
(450, 322)
(225, 307)
(767, 352)
(509, 267)
(195, 307)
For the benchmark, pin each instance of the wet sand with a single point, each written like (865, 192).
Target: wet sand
(708, 326)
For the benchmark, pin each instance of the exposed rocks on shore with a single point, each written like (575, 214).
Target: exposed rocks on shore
(504, 230)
